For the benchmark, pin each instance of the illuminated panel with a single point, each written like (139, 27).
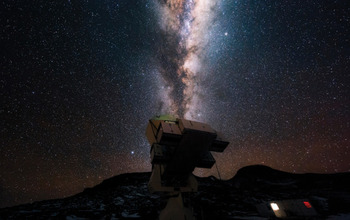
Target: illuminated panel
(274, 206)
(308, 205)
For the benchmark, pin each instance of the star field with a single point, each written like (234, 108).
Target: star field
(80, 80)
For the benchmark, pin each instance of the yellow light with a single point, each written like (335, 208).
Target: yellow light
(274, 206)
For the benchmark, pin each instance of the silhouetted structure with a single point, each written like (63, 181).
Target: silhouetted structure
(178, 146)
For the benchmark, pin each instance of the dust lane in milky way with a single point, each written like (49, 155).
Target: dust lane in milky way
(184, 30)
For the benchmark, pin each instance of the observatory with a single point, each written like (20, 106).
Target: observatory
(178, 146)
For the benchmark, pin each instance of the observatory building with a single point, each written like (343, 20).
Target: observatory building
(178, 146)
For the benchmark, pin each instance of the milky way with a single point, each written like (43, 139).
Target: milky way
(184, 29)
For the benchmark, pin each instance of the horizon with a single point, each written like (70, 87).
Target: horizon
(216, 177)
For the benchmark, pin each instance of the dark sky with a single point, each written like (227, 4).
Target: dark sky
(80, 79)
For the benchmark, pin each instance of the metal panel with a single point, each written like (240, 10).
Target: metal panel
(219, 144)
(169, 133)
(152, 130)
(188, 126)
(161, 154)
(206, 160)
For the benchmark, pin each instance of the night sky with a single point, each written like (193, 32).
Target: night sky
(80, 80)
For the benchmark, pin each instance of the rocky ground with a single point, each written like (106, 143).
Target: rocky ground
(126, 197)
